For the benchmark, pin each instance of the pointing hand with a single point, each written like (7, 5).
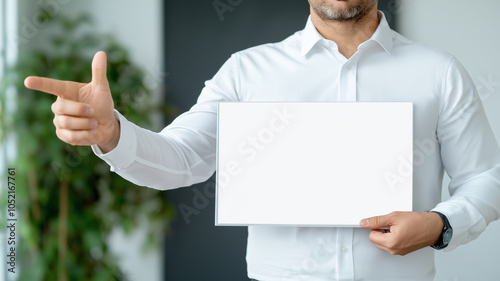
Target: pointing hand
(83, 111)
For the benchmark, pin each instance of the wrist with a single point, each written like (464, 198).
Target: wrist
(112, 143)
(436, 226)
(446, 232)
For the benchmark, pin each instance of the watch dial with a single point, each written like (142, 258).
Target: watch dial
(447, 236)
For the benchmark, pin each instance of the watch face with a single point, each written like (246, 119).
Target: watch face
(447, 236)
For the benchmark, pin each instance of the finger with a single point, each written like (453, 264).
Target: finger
(99, 69)
(65, 89)
(380, 236)
(376, 222)
(76, 137)
(74, 123)
(73, 108)
(385, 242)
(387, 249)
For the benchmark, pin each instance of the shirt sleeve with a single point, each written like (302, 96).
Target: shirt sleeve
(470, 156)
(181, 154)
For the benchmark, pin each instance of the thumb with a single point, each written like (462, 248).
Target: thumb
(99, 69)
(376, 222)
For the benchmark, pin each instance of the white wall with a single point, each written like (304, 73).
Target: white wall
(469, 30)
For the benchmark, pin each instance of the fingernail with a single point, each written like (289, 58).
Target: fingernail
(94, 124)
(363, 222)
(90, 111)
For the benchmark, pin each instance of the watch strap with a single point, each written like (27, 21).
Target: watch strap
(445, 233)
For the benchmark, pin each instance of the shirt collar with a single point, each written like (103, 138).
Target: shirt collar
(310, 37)
(383, 36)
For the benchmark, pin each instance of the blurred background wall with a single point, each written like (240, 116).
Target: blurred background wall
(183, 43)
(138, 25)
(470, 32)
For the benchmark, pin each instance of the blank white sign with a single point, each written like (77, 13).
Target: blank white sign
(312, 164)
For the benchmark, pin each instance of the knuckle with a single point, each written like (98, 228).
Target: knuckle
(370, 237)
(60, 134)
(394, 216)
(63, 121)
(57, 106)
(392, 245)
(70, 138)
(66, 136)
(393, 252)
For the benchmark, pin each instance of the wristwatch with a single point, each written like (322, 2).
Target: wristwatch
(446, 234)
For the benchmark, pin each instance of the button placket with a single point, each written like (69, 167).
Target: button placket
(348, 73)
(346, 260)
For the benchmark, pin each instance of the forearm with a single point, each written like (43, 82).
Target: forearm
(472, 206)
(184, 152)
(155, 160)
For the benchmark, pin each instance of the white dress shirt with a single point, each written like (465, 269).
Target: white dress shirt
(451, 133)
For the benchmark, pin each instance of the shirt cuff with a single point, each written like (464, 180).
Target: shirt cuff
(466, 222)
(124, 153)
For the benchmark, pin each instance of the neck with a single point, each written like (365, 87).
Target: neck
(347, 34)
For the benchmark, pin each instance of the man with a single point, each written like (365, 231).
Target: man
(346, 52)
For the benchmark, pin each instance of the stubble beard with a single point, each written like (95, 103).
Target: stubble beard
(329, 13)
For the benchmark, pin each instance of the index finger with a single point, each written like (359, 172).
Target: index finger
(60, 88)
(380, 236)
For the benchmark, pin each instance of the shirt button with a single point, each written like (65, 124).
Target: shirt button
(345, 250)
(348, 67)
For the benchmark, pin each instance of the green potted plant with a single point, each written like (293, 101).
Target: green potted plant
(67, 200)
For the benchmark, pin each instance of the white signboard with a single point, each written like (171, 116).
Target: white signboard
(314, 163)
